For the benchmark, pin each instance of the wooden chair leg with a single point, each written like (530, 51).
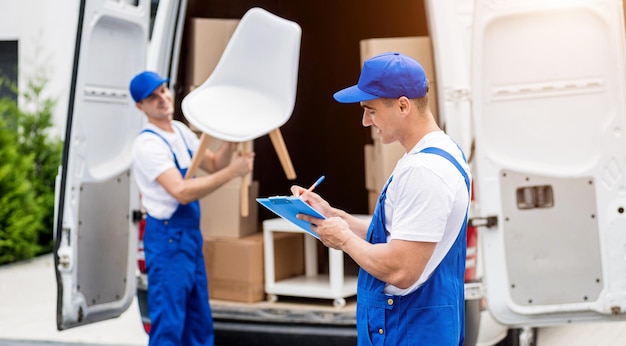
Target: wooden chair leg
(197, 156)
(283, 155)
(245, 183)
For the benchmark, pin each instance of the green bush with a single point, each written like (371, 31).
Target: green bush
(30, 159)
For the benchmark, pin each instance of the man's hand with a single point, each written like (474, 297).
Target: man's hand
(242, 164)
(333, 232)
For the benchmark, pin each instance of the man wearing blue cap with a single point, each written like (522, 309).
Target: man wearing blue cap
(178, 299)
(412, 253)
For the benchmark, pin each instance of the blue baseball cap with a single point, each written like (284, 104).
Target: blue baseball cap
(387, 75)
(144, 84)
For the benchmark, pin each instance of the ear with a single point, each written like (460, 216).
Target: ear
(138, 105)
(404, 104)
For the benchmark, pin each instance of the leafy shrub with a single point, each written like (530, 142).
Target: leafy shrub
(30, 159)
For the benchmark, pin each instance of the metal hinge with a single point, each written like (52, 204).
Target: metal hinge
(489, 221)
(137, 215)
(64, 261)
(473, 290)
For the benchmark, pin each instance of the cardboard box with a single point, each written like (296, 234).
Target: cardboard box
(208, 38)
(380, 160)
(235, 268)
(221, 211)
(417, 47)
(372, 199)
(370, 167)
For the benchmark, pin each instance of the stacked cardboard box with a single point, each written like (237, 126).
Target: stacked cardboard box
(233, 245)
(207, 39)
(235, 266)
(380, 159)
(221, 213)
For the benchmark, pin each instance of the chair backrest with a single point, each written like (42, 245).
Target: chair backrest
(252, 89)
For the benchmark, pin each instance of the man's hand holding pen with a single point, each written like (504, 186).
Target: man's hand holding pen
(313, 199)
(330, 230)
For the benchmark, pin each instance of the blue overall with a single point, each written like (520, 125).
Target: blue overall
(178, 298)
(431, 315)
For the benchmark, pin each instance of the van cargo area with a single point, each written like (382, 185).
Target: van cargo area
(332, 52)
(322, 136)
(330, 59)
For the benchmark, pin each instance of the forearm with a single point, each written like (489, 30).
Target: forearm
(223, 156)
(193, 189)
(370, 257)
(399, 263)
(215, 161)
(357, 226)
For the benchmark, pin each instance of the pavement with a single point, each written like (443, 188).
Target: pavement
(28, 312)
(584, 334)
(28, 317)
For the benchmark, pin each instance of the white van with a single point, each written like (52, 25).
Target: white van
(532, 90)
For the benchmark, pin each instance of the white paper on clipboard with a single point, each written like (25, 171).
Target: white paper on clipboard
(288, 207)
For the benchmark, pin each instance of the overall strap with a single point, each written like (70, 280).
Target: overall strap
(166, 142)
(170, 146)
(185, 214)
(446, 155)
(184, 141)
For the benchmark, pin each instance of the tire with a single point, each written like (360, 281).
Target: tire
(472, 321)
(526, 336)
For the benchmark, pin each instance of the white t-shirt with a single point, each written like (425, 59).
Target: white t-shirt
(427, 201)
(152, 156)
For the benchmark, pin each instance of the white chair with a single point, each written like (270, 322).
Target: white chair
(252, 90)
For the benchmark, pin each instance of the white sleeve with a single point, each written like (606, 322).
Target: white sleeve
(421, 204)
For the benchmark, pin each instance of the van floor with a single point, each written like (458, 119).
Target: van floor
(287, 309)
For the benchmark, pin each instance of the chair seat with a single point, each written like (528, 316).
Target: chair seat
(252, 89)
(235, 113)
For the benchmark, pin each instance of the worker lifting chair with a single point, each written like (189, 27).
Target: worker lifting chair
(252, 90)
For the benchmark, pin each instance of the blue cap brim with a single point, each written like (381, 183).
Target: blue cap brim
(353, 95)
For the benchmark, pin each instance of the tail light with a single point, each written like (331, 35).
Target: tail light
(141, 257)
(470, 259)
(146, 327)
(472, 249)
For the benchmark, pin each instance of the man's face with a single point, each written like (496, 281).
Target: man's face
(380, 115)
(159, 104)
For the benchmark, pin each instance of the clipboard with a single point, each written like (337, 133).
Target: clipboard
(289, 207)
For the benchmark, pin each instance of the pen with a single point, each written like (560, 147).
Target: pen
(316, 183)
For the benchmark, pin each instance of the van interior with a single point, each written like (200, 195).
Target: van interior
(323, 137)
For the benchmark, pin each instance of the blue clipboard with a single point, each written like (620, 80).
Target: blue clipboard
(289, 207)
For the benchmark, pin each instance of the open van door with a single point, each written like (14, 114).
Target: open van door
(450, 24)
(97, 202)
(548, 93)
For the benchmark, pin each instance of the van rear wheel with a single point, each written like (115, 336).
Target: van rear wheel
(526, 336)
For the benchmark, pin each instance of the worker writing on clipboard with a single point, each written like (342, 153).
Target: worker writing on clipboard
(412, 254)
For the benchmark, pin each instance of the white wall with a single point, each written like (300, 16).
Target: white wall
(46, 31)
